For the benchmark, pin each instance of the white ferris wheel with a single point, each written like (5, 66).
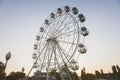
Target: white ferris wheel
(59, 40)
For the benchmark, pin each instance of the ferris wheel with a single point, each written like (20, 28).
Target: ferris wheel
(59, 40)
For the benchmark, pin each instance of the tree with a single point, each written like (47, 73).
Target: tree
(118, 68)
(54, 74)
(118, 72)
(15, 76)
(83, 74)
(102, 71)
(102, 74)
(97, 74)
(75, 76)
(114, 69)
(90, 76)
(2, 73)
(66, 72)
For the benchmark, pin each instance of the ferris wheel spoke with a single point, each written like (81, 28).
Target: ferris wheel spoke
(46, 32)
(70, 33)
(55, 23)
(54, 49)
(69, 24)
(58, 21)
(45, 55)
(74, 39)
(40, 52)
(61, 54)
(62, 22)
(67, 42)
(63, 33)
(67, 53)
(37, 59)
(49, 60)
(44, 38)
(70, 21)
(63, 51)
(71, 43)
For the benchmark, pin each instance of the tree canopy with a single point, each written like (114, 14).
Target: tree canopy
(2, 73)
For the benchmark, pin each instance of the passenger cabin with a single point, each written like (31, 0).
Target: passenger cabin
(75, 10)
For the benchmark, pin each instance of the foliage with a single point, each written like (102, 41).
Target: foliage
(97, 74)
(2, 73)
(15, 76)
(116, 71)
(55, 74)
(90, 76)
(75, 76)
(101, 75)
(65, 72)
(83, 74)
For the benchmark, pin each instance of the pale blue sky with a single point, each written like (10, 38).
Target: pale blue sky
(21, 19)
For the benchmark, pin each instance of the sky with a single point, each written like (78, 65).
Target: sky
(20, 21)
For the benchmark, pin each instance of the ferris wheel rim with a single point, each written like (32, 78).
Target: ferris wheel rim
(63, 28)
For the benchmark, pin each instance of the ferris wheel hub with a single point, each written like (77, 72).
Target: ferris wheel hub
(52, 39)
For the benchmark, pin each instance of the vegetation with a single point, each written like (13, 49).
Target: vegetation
(11, 76)
(115, 75)
(15, 76)
(2, 73)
